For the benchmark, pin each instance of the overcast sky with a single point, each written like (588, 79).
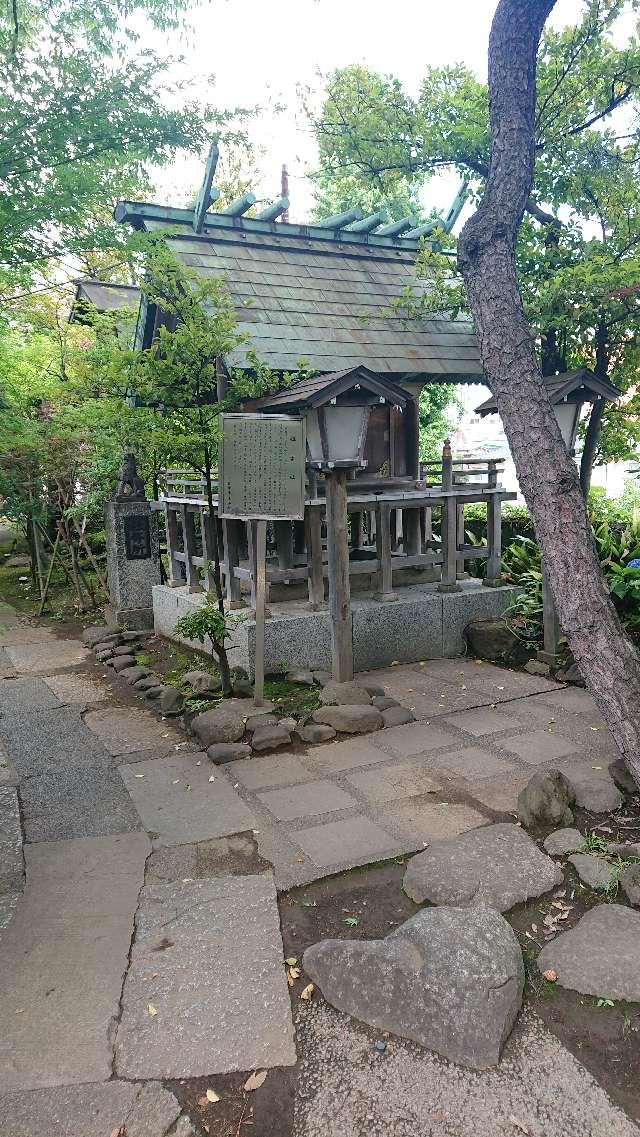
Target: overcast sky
(258, 52)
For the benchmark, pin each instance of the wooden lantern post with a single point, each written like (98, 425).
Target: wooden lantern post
(338, 566)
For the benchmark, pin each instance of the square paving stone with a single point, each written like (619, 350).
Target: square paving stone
(357, 840)
(123, 730)
(261, 773)
(345, 755)
(303, 801)
(540, 746)
(424, 822)
(207, 955)
(63, 958)
(76, 802)
(398, 780)
(22, 697)
(51, 740)
(483, 721)
(95, 1110)
(76, 688)
(473, 762)
(39, 658)
(178, 804)
(500, 794)
(414, 738)
(21, 633)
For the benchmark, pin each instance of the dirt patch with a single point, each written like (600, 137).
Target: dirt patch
(265, 1112)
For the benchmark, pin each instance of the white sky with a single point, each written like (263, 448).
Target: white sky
(259, 52)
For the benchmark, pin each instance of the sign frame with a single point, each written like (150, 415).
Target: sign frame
(232, 487)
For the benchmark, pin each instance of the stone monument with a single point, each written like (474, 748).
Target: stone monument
(133, 551)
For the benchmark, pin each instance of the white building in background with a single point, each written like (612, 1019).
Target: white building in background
(473, 436)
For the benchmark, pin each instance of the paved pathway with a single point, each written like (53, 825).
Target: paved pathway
(146, 944)
(108, 974)
(481, 732)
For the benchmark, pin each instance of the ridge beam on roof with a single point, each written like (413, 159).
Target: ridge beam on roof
(367, 224)
(240, 205)
(425, 230)
(339, 220)
(395, 228)
(273, 211)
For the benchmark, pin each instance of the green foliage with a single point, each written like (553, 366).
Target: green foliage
(206, 623)
(84, 107)
(616, 533)
(434, 425)
(579, 255)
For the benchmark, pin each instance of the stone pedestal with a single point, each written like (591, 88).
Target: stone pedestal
(133, 552)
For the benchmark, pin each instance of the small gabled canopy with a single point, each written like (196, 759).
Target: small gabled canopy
(340, 386)
(580, 386)
(102, 297)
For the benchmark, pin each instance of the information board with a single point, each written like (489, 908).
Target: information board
(262, 467)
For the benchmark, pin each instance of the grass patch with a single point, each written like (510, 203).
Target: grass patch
(292, 699)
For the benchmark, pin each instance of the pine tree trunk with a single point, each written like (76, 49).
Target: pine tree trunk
(548, 476)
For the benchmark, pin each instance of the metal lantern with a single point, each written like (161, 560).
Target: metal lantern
(336, 434)
(567, 415)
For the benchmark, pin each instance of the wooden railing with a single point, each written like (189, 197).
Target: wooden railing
(421, 526)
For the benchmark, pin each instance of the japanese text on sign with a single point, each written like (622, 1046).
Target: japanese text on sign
(262, 463)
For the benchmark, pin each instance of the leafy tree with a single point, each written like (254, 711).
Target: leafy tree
(487, 260)
(84, 106)
(579, 251)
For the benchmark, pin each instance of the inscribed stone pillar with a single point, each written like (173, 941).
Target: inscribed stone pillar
(133, 552)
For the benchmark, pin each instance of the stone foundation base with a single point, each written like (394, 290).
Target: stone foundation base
(136, 619)
(421, 623)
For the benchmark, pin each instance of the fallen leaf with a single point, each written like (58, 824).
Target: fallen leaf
(519, 1125)
(212, 1095)
(291, 960)
(138, 775)
(254, 1081)
(119, 1132)
(550, 975)
(307, 992)
(534, 927)
(151, 1010)
(212, 778)
(293, 974)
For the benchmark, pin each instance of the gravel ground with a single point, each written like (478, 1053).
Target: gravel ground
(348, 1089)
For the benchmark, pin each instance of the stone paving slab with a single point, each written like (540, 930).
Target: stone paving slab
(20, 697)
(265, 772)
(483, 721)
(50, 739)
(339, 844)
(208, 957)
(472, 762)
(94, 1110)
(500, 794)
(421, 822)
(414, 738)
(76, 688)
(73, 802)
(539, 1089)
(177, 802)
(123, 730)
(306, 801)
(399, 780)
(539, 746)
(41, 658)
(63, 958)
(11, 856)
(25, 633)
(337, 756)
